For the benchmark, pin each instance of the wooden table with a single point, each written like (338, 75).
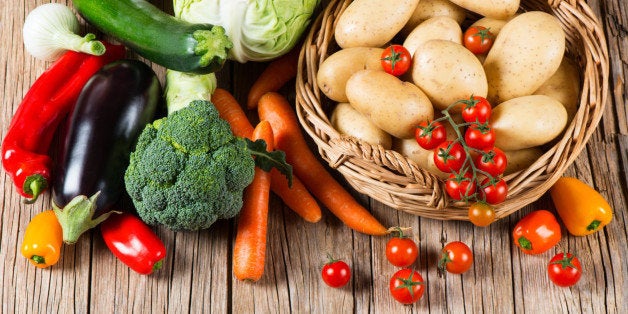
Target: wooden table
(196, 276)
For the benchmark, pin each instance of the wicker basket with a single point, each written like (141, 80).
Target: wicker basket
(398, 182)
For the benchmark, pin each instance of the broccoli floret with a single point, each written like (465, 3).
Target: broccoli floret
(189, 170)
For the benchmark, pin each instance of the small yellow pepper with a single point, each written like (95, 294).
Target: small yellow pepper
(43, 239)
(581, 208)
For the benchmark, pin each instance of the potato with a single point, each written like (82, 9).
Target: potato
(393, 105)
(526, 53)
(440, 27)
(527, 121)
(521, 158)
(346, 120)
(447, 72)
(499, 9)
(422, 157)
(430, 8)
(334, 72)
(372, 23)
(564, 86)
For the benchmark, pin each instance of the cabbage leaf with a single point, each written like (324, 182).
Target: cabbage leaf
(260, 30)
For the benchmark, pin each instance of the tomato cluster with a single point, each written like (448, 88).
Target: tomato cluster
(474, 164)
(406, 285)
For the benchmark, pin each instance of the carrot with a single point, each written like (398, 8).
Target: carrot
(276, 75)
(275, 108)
(230, 110)
(249, 251)
(297, 197)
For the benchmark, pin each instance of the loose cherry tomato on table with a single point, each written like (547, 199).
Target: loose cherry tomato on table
(480, 136)
(481, 214)
(494, 190)
(407, 286)
(492, 161)
(401, 251)
(396, 60)
(476, 109)
(456, 258)
(460, 186)
(430, 134)
(336, 273)
(564, 269)
(537, 232)
(478, 39)
(449, 156)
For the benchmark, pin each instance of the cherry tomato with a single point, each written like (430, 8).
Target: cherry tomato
(456, 258)
(449, 156)
(564, 269)
(401, 251)
(478, 39)
(396, 60)
(480, 136)
(430, 134)
(492, 161)
(494, 190)
(537, 232)
(460, 187)
(407, 286)
(476, 109)
(481, 214)
(336, 273)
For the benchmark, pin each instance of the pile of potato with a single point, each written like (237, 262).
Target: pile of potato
(526, 76)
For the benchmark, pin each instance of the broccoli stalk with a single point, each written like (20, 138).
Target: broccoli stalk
(189, 170)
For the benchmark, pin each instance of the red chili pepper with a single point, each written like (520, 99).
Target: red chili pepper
(133, 242)
(48, 101)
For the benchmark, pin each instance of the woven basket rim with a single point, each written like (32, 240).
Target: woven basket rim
(400, 183)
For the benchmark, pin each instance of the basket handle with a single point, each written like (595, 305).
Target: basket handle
(350, 147)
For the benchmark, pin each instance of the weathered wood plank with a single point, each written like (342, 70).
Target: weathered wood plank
(197, 277)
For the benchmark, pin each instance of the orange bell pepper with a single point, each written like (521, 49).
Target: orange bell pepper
(43, 239)
(537, 232)
(581, 208)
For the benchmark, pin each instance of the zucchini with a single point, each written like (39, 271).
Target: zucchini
(158, 36)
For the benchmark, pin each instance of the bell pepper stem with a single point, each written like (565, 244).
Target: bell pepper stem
(34, 185)
(38, 259)
(525, 243)
(593, 225)
(158, 265)
(78, 216)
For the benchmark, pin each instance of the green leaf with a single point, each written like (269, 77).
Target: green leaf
(266, 160)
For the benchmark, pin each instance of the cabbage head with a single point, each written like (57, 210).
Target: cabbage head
(260, 30)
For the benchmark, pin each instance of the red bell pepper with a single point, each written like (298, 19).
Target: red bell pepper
(133, 242)
(48, 101)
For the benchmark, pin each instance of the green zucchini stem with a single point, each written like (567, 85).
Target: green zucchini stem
(213, 45)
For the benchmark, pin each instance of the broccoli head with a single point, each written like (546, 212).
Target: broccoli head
(189, 170)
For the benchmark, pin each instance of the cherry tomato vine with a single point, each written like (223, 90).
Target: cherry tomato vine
(474, 163)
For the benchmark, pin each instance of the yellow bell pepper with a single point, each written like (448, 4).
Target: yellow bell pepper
(581, 208)
(43, 239)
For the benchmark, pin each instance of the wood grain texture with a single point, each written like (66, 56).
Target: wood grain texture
(196, 276)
